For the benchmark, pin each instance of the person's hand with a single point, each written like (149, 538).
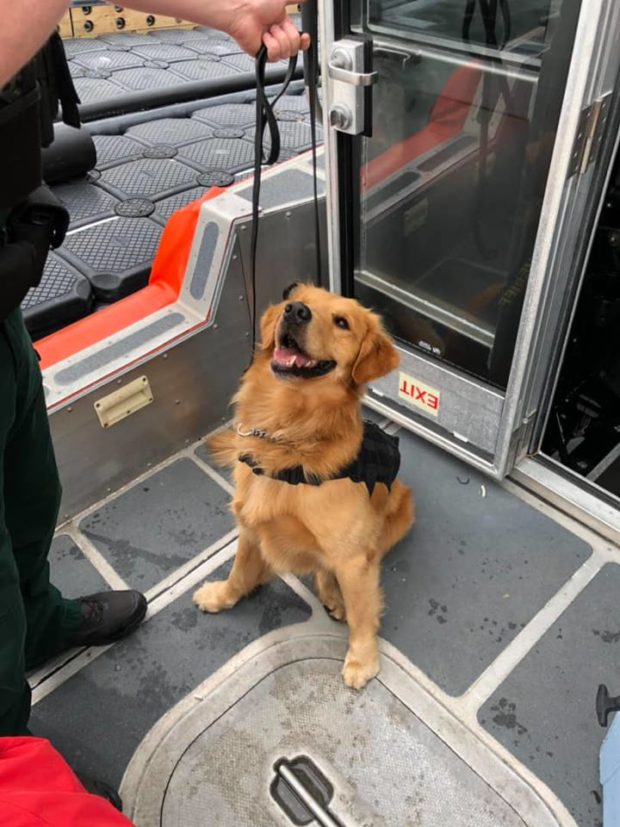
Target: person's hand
(254, 22)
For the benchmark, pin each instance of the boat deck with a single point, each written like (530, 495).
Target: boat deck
(501, 619)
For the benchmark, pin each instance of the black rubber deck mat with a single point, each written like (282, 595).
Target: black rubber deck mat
(148, 178)
(98, 718)
(93, 89)
(105, 67)
(222, 115)
(107, 60)
(63, 296)
(209, 67)
(168, 52)
(230, 154)
(459, 589)
(167, 206)
(86, 203)
(544, 713)
(206, 147)
(115, 255)
(146, 78)
(116, 149)
(175, 131)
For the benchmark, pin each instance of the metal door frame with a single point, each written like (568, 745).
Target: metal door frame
(594, 61)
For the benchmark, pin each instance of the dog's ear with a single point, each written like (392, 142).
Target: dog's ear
(268, 324)
(377, 355)
(288, 290)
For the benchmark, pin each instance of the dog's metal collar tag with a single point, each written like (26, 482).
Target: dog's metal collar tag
(252, 432)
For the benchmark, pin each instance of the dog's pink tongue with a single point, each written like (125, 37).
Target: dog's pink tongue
(288, 357)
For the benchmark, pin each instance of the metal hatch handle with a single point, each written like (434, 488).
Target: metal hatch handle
(323, 816)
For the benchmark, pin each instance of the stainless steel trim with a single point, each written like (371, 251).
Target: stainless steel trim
(468, 410)
(518, 71)
(555, 234)
(507, 55)
(417, 302)
(332, 198)
(577, 498)
(543, 385)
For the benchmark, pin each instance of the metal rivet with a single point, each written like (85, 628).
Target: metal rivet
(215, 326)
(69, 409)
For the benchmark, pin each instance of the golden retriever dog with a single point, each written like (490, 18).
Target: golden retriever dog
(315, 487)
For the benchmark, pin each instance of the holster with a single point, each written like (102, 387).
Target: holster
(36, 225)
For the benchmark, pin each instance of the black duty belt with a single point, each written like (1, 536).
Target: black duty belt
(35, 226)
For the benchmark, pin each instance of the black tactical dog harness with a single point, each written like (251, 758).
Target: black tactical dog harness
(377, 461)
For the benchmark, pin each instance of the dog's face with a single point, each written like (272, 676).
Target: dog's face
(314, 333)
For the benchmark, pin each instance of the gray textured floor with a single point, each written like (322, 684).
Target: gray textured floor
(98, 718)
(159, 525)
(545, 713)
(477, 566)
(71, 572)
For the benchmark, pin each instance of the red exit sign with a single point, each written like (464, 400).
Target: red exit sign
(419, 394)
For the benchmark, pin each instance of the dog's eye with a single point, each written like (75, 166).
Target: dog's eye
(341, 322)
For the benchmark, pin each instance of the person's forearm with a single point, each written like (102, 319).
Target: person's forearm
(26, 25)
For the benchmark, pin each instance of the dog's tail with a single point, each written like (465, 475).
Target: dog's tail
(223, 447)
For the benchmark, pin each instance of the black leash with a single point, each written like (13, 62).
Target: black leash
(266, 119)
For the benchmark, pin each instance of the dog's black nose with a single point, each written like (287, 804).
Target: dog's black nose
(297, 313)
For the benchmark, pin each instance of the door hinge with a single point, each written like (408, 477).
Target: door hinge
(590, 134)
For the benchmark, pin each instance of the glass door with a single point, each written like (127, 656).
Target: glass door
(453, 193)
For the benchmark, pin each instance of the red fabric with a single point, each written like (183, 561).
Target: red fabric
(38, 788)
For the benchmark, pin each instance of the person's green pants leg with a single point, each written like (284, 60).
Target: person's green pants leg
(35, 621)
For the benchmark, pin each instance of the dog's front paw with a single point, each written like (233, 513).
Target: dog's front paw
(336, 611)
(357, 673)
(214, 597)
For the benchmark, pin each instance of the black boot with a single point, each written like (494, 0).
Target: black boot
(103, 790)
(109, 616)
